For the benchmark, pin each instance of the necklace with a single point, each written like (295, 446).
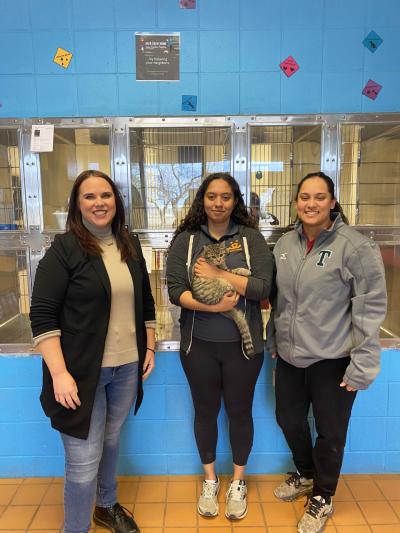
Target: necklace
(108, 241)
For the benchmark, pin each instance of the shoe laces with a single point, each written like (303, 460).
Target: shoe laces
(315, 506)
(121, 512)
(237, 490)
(293, 479)
(209, 489)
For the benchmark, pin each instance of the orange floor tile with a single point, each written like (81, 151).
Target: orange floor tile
(167, 504)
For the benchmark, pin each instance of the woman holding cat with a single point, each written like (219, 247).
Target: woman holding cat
(212, 354)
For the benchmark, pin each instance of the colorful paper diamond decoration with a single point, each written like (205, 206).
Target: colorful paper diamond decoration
(289, 66)
(372, 41)
(372, 89)
(187, 4)
(189, 102)
(62, 57)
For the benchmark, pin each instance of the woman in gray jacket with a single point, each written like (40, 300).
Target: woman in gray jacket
(212, 355)
(324, 331)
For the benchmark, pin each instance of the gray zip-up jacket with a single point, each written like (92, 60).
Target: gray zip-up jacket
(331, 302)
(258, 285)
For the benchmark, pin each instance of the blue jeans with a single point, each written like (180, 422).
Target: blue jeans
(91, 464)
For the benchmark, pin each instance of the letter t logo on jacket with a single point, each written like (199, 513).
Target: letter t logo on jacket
(323, 256)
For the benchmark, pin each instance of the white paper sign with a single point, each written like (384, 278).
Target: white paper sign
(42, 137)
(148, 256)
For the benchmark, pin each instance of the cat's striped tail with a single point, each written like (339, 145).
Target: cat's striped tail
(240, 320)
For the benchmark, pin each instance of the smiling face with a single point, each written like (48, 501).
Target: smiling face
(219, 202)
(314, 203)
(96, 202)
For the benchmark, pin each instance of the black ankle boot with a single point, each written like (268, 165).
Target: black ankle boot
(117, 518)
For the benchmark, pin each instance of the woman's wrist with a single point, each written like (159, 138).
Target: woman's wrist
(151, 349)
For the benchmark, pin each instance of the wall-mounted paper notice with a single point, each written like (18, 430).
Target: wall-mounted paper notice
(157, 56)
(42, 137)
(148, 256)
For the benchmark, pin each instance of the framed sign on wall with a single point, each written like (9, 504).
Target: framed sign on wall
(157, 56)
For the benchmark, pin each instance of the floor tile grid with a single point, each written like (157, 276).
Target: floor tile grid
(380, 511)
(365, 498)
(25, 512)
(377, 500)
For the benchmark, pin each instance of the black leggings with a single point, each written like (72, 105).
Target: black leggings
(216, 369)
(318, 385)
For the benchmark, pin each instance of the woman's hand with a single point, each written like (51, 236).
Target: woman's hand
(205, 270)
(228, 302)
(66, 390)
(274, 355)
(148, 365)
(348, 388)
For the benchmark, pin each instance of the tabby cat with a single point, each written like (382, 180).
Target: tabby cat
(211, 290)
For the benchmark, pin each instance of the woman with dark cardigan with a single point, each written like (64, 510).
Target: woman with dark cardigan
(93, 320)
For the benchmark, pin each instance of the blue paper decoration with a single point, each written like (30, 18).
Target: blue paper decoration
(372, 41)
(189, 102)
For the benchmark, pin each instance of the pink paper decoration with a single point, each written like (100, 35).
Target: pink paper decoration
(187, 4)
(372, 89)
(289, 66)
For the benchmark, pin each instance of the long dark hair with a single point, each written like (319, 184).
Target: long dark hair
(196, 215)
(85, 238)
(331, 189)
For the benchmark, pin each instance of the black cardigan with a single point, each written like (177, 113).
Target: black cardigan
(72, 293)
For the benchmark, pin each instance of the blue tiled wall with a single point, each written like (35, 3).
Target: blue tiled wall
(159, 440)
(230, 55)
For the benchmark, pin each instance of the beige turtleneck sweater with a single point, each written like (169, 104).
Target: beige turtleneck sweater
(121, 346)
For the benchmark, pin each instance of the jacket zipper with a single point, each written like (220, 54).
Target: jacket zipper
(296, 285)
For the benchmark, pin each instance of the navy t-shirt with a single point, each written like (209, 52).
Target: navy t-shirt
(216, 327)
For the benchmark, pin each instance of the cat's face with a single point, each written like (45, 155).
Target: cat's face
(215, 253)
(219, 202)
